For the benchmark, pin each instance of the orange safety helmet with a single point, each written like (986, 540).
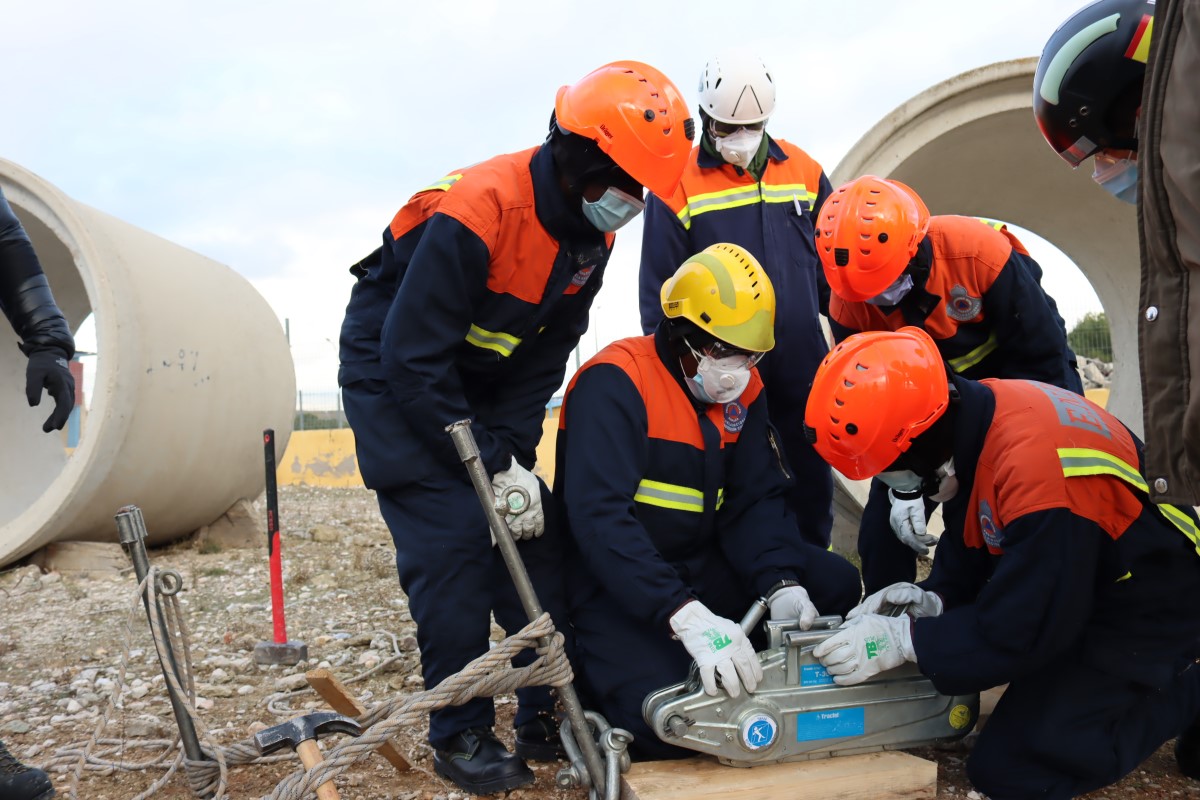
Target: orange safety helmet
(872, 395)
(637, 116)
(867, 232)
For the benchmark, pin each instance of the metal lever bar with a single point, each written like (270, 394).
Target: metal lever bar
(468, 451)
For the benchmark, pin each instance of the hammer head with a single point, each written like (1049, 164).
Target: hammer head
(311, 726)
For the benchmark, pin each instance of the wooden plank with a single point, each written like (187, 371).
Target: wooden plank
(342, 701)
(879, 776)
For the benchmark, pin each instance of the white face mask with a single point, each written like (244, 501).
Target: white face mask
(905, 480)
(1117, 176)
(739, 148)
(612, 210)
(901, 480)
(894, 293)
(719, 380)
(947, 483)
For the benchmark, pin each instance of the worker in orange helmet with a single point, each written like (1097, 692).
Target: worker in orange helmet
(1055, 574)
(967, 282)
(469, 310)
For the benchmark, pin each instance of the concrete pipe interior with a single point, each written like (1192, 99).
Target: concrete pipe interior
(970, 146)
(192, 365)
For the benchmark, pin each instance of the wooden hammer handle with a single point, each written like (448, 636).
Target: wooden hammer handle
(310, 756)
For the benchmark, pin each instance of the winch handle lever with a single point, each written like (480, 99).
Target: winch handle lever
(758, 610)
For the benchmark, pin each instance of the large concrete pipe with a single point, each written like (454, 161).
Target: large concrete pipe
(970, 146)
(192, 365)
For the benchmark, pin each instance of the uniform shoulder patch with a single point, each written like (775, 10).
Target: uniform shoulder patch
(993, 534)
(961, 305)
(735, 416)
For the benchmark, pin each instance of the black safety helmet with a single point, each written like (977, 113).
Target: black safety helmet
(1088, 84)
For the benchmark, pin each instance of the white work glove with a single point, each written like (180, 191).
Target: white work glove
(791, 602)
(719, 647)
(866, 646)
(530, 522)
(908, 597)
(908, 523)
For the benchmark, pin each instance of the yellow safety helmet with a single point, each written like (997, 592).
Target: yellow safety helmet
(725, 292)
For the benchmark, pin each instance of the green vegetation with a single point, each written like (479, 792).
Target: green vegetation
(1091, 337)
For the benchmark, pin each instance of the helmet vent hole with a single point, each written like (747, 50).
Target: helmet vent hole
(841, 256)
(847, 384)
(861, 367)
(839, 402)
(851, 428)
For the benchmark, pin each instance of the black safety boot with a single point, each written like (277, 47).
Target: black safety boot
(1187, 751)
(19, 782)
(538, 739)
(477, 762)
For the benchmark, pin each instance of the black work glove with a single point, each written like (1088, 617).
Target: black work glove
(48, 370)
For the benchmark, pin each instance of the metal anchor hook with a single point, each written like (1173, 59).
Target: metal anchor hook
(613, 742)
(513, 501)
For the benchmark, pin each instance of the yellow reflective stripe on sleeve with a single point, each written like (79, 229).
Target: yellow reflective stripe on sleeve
(1124, 577)
(502, 343)
(442, 184)
(1085, 461)
(991, 223)
(963, 363)
(1079, 461)
(669, 495)
(1186, 525)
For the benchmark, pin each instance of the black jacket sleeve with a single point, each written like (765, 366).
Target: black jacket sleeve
(606, 415)
(427, 322)
(1032, 610)
(1030, 335)
(757, 529)
(25, 296)
(665, 246)
(538, 372)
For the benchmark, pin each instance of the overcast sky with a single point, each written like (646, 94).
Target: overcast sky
(281, 137)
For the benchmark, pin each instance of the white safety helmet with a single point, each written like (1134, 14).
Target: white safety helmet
(736, 87)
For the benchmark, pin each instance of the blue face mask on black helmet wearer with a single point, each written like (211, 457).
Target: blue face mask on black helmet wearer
(1117, 176)
(612, 210)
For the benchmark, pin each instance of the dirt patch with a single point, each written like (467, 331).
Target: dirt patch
(61, 646)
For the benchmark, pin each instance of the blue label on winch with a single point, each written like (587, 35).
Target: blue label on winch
(833, 724)
(814, 675)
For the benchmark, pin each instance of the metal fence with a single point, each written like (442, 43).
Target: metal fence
(319, 411)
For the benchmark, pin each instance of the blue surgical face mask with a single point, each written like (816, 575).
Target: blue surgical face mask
(612, 210)
(894, 293)
(1117, 176)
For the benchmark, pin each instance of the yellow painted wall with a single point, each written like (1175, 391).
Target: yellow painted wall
(326, 458)
(320, 458)
(1097, 396)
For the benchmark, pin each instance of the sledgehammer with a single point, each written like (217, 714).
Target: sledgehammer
(300, 734)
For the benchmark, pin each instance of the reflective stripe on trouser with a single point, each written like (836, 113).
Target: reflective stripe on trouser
(1077, 461)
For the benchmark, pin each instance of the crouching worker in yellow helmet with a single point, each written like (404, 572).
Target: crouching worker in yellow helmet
(1056, 574)
(674, 487)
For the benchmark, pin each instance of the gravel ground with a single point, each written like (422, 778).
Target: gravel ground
(61, 648)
